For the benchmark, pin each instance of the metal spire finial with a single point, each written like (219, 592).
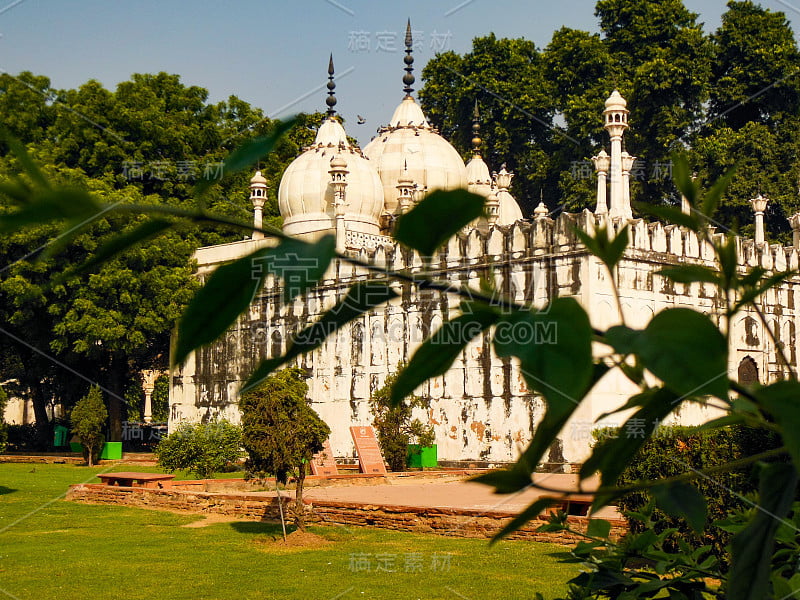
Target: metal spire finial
(476, 131)
(408, 78)
(331, 99)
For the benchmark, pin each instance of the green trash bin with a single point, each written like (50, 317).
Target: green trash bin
(60, 434)
(111, 451)
(422, 456)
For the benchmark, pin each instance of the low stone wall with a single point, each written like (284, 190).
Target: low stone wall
(441, 521)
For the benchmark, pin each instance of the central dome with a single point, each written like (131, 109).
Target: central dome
(410, 141)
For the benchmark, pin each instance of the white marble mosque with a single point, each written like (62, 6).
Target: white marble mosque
(481, 409)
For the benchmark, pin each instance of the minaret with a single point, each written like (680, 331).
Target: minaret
(759, 204)
(794, 222)
(627, 164)
(405, 190)
(408, 78)
(615, 117)
(601, 165)
(338, 172)
(492, 207)
(258, 195)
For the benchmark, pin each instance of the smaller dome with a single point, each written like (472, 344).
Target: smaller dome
(616, 102)
(479, 181)
(408, 114)
(510, 211)
(331, 133)
(338, 162)
(540, 211)
(258, 178)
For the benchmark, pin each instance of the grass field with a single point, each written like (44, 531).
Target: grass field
(50, 548)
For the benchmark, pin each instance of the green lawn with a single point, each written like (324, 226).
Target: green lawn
(50, 548)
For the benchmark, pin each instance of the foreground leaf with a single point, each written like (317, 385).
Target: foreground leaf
(782, 401)
(683, 348)
(437, 218)
(232, 287)
(752, 547)
(360, 299)
(438, 352)
(683, 500)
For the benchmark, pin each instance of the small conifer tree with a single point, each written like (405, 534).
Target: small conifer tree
(88, 419)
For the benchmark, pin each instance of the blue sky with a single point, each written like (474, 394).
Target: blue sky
(274, 54)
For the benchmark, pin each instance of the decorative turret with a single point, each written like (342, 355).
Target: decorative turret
(405, 191)
(794, 222)
(492, 207)
(540, 212)
(759, 204)
(615, 118)
(627, 164)
(602, 162)
(258, 195)
(338, 173)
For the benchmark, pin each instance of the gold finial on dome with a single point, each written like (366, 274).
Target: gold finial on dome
(476, 131)
(331, 99)
(408, 78)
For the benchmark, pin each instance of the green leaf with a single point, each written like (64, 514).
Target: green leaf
(609, 251)
(437, 218)
(360, 298)
(714, 195)
(683, 178)
(250, 152)
(782, 401)
(232, 287)
(118, 244)
(28, 165)
(52, 205)
(752, 547)
(506, 481)
(598, 528)
(438, 352)
(683, 348)
(683, 500)
(528, 514)
(656, 403)
(690, 274)
(669, 214)
(555, 352)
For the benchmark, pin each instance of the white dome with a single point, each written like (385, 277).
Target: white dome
(410, 140)
(305, 195)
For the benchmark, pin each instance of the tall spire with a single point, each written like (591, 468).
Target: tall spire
(476, 131)
(408, 78)
(331, 99)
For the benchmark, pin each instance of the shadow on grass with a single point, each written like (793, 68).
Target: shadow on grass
(4, 490)
(258, 528)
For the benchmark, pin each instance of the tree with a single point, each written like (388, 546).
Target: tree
(395, 426)
(88, 419)
(201, 448)
(755, 72)
(506, 78)
(150, 141)
(281, 431)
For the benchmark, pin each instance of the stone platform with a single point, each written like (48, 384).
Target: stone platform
(431, 502)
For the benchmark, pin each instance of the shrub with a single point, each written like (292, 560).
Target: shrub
(395, 427)
(675, 450)
(281, 431)
(88, 418)
(22, 437)
(201, 448)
